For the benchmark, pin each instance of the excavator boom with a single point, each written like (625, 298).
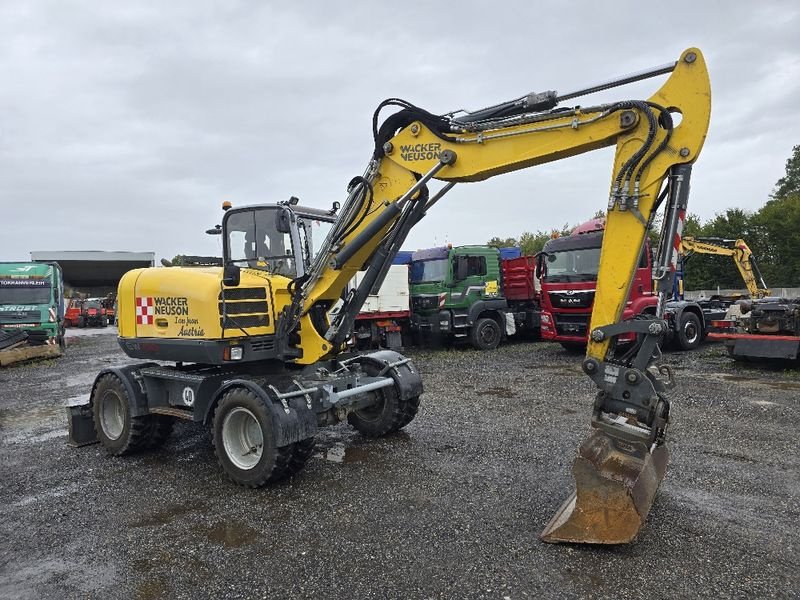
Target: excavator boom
(621, 464)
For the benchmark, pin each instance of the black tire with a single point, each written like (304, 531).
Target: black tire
(118, 431)
(160, 428)
(574, 347)
(241, 418)
(389, 414)
(300, 454)
(690, 333)
(104, 322)
(81, 322)
(485, 334)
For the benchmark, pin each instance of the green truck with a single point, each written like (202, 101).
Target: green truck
(31, 307)
(477, 294)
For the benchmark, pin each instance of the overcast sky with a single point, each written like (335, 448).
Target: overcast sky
(123, 126)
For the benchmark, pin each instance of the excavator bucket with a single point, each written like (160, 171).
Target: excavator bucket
(615, 484)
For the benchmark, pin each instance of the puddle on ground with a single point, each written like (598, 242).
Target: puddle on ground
(83, 380)
(28, 417)
(499, 392)
(778, 385)
(167, 515)
(152, 589)
(339, 453)
(230, 534)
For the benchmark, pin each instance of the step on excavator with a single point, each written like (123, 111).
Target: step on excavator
(250, 349)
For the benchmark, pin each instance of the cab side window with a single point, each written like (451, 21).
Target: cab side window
(476, 265)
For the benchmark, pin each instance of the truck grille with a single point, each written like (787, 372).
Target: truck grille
(572, 325)
(582, 299)
(18, 316)
(424, 302)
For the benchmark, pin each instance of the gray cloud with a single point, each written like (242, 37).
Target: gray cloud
(123, 126)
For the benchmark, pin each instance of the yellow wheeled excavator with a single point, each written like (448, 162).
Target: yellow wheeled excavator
(250, 348)
(742, 257)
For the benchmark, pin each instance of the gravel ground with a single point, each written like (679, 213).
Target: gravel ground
(451, 507)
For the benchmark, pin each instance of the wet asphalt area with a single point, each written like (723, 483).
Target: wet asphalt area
(451, 507)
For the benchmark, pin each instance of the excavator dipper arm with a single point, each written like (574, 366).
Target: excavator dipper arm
(620, 466)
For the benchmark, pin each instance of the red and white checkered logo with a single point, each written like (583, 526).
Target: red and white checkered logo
(145, 311)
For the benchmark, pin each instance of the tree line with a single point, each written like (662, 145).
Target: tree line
(772, 232)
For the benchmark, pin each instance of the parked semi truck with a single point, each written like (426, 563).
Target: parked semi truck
(478, 294)
(31, 311)
(567, 270)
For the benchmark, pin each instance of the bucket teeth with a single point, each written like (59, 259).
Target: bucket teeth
(615, 484)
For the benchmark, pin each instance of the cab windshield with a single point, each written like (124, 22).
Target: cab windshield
(25, 294)
(572, 265)
(428, 270)
(254, 241)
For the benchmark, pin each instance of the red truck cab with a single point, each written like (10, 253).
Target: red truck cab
(567, 270)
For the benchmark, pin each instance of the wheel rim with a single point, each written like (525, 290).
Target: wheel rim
(242, 438)
(374, 411)
(488, 334)
(112, 415)
(690, 331)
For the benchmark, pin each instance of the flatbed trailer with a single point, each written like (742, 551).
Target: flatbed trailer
(759, 346)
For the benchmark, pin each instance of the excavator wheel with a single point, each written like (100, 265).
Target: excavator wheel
(117, 429)
(243, 441)
(390, 413)
(301, 452)
(160, 428)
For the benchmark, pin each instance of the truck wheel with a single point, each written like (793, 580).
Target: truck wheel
(389, 414)
(118, 431)
(160, 428)
(485, 334)
(690, 333)
(243, 440)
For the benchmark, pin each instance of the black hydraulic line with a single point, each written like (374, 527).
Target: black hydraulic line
(397, 237)
(667, 123)
(364, 236)
(352, 306)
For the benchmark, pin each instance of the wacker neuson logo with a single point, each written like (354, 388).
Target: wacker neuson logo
(420, 151)
(148, 308)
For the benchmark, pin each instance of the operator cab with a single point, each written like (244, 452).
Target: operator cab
(276, 238)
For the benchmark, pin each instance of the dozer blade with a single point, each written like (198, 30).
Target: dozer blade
(615, 484)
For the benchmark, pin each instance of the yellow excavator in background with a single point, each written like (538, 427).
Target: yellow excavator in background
(742, 257)
(257, 357)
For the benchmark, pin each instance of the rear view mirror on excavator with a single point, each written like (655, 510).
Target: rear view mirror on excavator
(231, 275)
(283, 221)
